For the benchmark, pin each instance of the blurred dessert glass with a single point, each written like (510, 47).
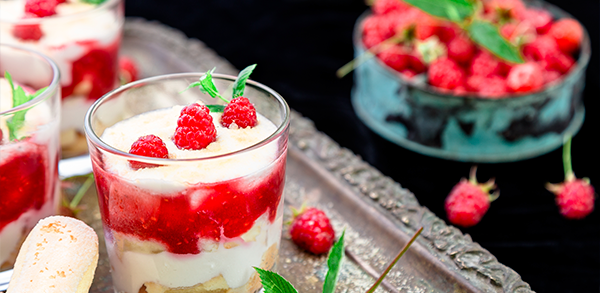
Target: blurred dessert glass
(198, 220)
(29, 146)
(83, 38)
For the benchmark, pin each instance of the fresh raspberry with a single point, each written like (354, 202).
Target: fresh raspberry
(395, 57)
(376, 29)
(487, 87)
(148, 146)
(540, 19)
(446, 32)
(445, 73)
(387, 6)
(311, 230)
(241, 112)
(195, 129)
(525, 77)
(41, 8)
(461, 49)
(568, 34)
(28, 32)
(540, 48)
(469, 201)
(484, 64)
(574, 197)
(128, 70)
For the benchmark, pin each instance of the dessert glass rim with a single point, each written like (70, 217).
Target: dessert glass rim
(52, 87)
(98, 142)
(106, 5)
(581, 63)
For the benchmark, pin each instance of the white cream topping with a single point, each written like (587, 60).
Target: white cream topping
(235, 264)
(162, 123)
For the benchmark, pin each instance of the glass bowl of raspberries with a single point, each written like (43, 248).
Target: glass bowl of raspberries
(478, 81)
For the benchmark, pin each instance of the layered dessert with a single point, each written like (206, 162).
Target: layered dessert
(28, 172)
(199, 220)
(81, 36)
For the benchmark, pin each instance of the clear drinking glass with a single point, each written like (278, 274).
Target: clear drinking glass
(188, 223)
(83, 39)
(29, 148)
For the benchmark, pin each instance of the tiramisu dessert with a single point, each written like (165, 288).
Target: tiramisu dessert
(82, 37)
(28, 162)
(207, 211)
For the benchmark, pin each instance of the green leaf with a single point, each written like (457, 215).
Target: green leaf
(19, 97)
(216, 108)
(455, 10)
(195, 84)
(334, 264)
(274, 283)
(209, 87)
(95, 2)
(487, 35)
(240, 83)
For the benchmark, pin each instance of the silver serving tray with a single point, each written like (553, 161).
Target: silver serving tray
(378, 214)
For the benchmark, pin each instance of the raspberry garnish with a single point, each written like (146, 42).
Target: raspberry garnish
(469, 200)
(311, 230)
(568, 34)
(195, 128)
(445, 73)
(148, 146)
(241, 112)
(525, 77)
(41, 8)
(28, 32)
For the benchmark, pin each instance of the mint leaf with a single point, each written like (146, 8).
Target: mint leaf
(216, 108)
(454, 10)
(487, 35)
(95, 2)
(334, 264)
(19, 97)
(207, 86)
(240, 82)
(195, 84)
(274, 283)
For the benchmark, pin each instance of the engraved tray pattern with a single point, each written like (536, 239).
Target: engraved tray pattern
(378, 214)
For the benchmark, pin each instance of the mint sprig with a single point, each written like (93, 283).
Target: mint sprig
(454, 10)
(275, 283)
(19, 97)
(216, 108)
(240, 83)
(488, 36)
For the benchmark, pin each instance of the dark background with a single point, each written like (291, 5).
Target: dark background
(299, 44)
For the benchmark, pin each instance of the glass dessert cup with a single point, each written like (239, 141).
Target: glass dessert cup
(83, 39)
(29, 153)
(189, 224)
(423, 119)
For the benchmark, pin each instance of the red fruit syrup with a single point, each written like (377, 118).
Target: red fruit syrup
(207, 211)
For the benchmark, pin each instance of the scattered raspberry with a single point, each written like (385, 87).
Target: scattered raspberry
(568, 34)
(41, 8)
(311, 230)
(540, 19)
(28, 32)
(128, 70)
(525, 77)
(445, 73)
(461, 49)
(484, 64)
(387, 6)
(195, 129)
(469, 201)
(148, 146)
(395, 57)
(241, 112)
(575, 198)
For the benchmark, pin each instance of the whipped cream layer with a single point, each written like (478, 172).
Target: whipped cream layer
(131, 269)
(176, 177)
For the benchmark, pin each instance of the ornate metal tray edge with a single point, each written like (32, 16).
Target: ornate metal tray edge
(456, 251)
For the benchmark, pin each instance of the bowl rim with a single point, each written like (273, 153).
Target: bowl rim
(580, 65)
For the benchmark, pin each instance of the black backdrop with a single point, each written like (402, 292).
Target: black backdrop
(299, 44)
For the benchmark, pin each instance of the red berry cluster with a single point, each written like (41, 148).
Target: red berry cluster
(395, 30)
(195, 130)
